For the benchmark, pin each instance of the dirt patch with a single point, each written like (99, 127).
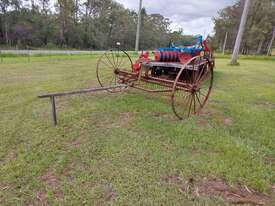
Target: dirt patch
(269, 160)
(267, 105)
(168, 146)
(4, 186)
(11, 156)
(227, 121)
(109, 193)
(2, 200)
(121, 121)
(53, 182)
(51, 179)
(203, 121)
(41, 197)
(216, 101)
(217, 187)
(209, 112)
(216, 115)
(174, 180)
(201, 152)
(239, 194)
(103, 192)
(76, 143)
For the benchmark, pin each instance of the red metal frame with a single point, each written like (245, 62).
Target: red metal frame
(185, 77)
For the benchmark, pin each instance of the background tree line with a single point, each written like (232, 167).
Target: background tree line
(81, 24)
(259, 27)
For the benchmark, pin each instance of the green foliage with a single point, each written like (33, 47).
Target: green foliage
(78, 24)
(259, 27)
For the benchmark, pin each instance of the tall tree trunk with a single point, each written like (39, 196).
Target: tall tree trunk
(224, 44)
(269, 50)
(6, 32)
(221, 45)
(240, 32)
(76, 6)
(260, 46)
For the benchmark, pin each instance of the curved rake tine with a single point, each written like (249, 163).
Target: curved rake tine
(109, 60)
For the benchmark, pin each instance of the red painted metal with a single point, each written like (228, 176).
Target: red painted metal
(187, 77)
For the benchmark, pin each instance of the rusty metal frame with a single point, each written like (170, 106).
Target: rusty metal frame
(134, 79)
(52, 97)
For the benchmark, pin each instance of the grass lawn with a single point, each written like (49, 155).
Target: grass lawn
(121, 149)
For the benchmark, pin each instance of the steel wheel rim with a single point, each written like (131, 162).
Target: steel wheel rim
(109, 65)
(189, 100)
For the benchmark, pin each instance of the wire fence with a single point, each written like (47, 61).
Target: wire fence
(29, 56)
(14, 56)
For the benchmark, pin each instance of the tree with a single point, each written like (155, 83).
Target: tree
(258, 30)
(240, 32)
(4, 4)
(82, 24)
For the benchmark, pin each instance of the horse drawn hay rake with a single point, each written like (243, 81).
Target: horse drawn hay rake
(183, 72)
(186, 73)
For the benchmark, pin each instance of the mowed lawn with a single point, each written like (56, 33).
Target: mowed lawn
(122, 149)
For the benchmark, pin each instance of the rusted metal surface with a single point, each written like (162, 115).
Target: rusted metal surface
(173, 65)
(189, 84)
(196, 96)
(108, 67)
(151, 90)
(52, 97)
(82, 91)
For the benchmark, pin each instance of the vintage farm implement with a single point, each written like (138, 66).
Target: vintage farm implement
(185, 73)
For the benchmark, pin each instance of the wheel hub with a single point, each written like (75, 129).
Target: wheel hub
(194, 89)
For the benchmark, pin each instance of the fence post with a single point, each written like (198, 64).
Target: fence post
(53, 110)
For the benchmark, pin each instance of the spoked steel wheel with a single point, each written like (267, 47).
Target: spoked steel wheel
(108, 67)
(192, 87)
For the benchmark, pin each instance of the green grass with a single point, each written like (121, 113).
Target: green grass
(117, 149)
(246, 57)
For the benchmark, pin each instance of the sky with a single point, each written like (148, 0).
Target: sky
(193, 16)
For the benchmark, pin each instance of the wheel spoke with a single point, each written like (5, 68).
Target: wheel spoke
(122, 63)
(203, 76)
(113, 77)
(117, 56)
(188, 80)
(198, 100)
(182, 102)
(186, 97)
(106, 66)
(190, 106)
(188, 102)
(109, 61)
(194, 103)
(106, 63)
(113, 57)
(199, 76)
(202, 94)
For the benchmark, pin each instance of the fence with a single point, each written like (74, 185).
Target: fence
(13, 56)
